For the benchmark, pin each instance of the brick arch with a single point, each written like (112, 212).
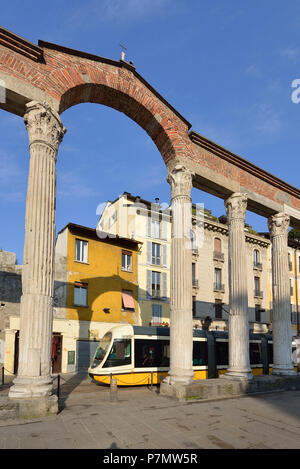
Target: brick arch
(65, 77)
(151, 117)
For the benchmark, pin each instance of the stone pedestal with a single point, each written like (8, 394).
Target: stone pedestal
(45, 132)
(238, 322)
(281, 321)
(181, 318)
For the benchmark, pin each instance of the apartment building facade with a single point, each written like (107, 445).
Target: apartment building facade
(150, 223)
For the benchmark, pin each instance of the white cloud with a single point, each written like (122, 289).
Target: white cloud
(120, 11)
(70, 184)
(291, 53)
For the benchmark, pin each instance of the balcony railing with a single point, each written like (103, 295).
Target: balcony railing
(257, 265)
(195, 283)
(219, 287)
(218, 256)
(258, 294)
(156, 294)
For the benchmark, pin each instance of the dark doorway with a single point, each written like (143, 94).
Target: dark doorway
(56, 352)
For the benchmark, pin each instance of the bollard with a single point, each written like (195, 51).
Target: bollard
(113, 390)
(58, 385)
(151, 380)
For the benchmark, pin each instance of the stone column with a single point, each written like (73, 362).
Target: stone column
(45, 131)
(181, 316)
(239, 363)
(281, 323)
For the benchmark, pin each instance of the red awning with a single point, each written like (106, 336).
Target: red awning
(128, 300)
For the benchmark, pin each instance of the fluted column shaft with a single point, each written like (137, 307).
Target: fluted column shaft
(281, 322)
(239, 363)
(45, 132)
(181, 318)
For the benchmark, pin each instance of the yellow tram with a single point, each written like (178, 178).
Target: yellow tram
(137, 355)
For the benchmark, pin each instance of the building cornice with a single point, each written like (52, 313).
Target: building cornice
(241, 163)
(22, 46)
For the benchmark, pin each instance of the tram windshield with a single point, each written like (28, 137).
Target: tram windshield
(102, 348)
(120, 353)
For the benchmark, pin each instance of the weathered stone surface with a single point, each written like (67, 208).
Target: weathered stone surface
(221, 389)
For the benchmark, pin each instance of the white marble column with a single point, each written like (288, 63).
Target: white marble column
(281, 322)
(45, 131)
(238, 322)
(181, 316)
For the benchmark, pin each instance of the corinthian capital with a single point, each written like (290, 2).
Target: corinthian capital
(278, 224)
(236, 206)
(180, 179)
(43, 125)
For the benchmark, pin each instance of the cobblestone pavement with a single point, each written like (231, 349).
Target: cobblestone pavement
(141, 418)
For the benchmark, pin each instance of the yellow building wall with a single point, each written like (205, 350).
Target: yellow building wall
(105, 278)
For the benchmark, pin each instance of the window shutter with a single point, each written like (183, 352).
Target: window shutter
(149, 227)
(164, 285)
(164, 229)
(164, 255)
(149, 252)
(149, 280)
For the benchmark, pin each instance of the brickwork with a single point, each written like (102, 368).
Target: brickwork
(65, 77)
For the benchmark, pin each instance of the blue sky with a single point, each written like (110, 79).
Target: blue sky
(226, 66)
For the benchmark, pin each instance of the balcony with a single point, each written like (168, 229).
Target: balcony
(257, 265)
(219, 287)
(258, 294)
(195, 252)
(218, 256)
(156, 294)
(195, 283)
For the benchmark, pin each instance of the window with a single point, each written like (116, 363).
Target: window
(120, 353)
(156, 314)
(257, 313)
(194, 282)
(218, 309)
(218, 279)
(81, 250)
(156, 287)
(155, 253)
(127, 300)
(199, 353)
(194, 306)
(127, 260)
(80, 294)
(290, 261)
(155, 229)
(151, 353)
(255, 353)
(257, 291)
(256, 257)
(217, 245)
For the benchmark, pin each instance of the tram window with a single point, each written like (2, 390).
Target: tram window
(199, 353)
(255, 353)
(151, 353)
(102, 348)
(120, 353)
(221, 353)
(270, 353)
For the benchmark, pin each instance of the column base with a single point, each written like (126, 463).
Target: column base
(180, 377)
(283, 371)
(237, 375)
(31, 387)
